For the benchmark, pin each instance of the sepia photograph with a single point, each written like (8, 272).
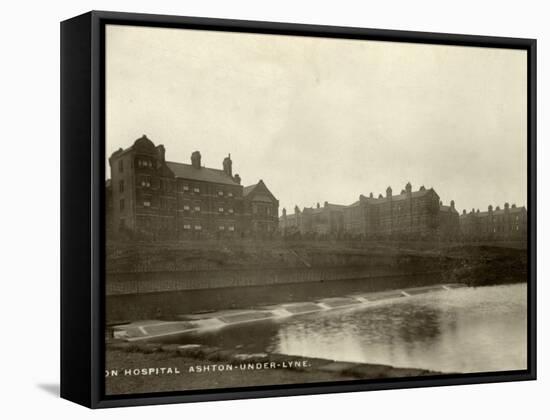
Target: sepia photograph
(284, 210)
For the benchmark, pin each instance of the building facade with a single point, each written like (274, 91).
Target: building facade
(153, 198)
(409, 214)
(509, 223)
(326, 220)
(261, 210)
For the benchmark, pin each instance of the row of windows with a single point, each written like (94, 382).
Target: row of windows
(167, 185)
(188, 226)
(145, 163)
(170, 204)
(262, 210)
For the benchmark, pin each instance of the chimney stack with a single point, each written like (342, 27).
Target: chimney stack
(388, 192)
(228, 165)
(161, 151)
(237, 179)
(196, 159)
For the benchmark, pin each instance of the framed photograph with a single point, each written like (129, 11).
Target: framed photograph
(255, 209)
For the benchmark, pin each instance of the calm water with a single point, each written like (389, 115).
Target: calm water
(461, 330)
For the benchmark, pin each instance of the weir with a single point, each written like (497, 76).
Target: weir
(153, 329)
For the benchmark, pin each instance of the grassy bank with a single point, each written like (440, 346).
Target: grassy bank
(474, 264)
(137, 369)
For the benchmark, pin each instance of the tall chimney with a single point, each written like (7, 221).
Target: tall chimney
(196, 159)
(227, 165)
(161, 151)
(408, 188)
(237, 179)
(388, 192)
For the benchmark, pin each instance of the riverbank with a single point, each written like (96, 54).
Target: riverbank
(150, 367)
(139, 268)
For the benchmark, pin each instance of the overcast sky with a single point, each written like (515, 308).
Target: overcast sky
(326, 119)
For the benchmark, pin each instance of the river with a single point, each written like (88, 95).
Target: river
(456, 331)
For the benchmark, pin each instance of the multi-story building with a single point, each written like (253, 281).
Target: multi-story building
(501, 224)
(157, 199)
(326, 220)
(449, 227)
(261, 210)
(408, 214)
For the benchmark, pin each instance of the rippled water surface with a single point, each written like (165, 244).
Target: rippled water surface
(460, 330)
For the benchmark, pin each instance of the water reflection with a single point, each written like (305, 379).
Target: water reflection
(461, 330)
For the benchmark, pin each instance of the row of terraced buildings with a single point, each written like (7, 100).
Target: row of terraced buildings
(150, 197)
(408, 215)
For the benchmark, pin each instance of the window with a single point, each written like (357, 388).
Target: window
(198, 227)
(146, 181)
(230, 211)
(122, 204)
(121, 165)
(220, 209)
(143, 163)
(230, 194)
(197, 208)
(220, 193)
(221, 227)
(231, 228)
(146, 203)
(197, 189)
(187, 226)
(186, 188)
(121, 186)
(186, 207)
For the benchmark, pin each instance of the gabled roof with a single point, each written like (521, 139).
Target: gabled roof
(184, 170)
(247, 190)
(414, 194)
(399, 197)
(261, 187)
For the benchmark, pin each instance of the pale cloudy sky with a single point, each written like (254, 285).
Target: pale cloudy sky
(326, 119)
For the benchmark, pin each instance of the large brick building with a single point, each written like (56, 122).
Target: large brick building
(408, 214)
(153, 198)
(319, 220)
(261, 210)
(500, 224)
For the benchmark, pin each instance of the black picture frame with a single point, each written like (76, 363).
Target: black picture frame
(83, 198)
